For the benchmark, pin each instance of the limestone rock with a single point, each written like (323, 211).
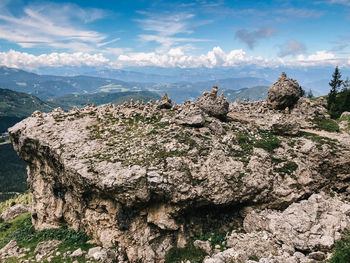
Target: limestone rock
(14, 211)
(311, 225)
(281, 126)
(216, 106)
(146, 179)
(103, 255)
(345, 114)
(165, 103)
(77, 253)
(204, 245)
(285, 92)
(43, 249)
(11, 250)
(191, 117)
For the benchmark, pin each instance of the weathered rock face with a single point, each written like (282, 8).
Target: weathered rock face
(285, 92)
(311, 226)
(145, 178)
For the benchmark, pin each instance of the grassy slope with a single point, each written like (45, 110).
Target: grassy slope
(22, 230)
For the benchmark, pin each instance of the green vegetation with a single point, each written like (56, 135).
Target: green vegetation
(13, 175)
(338, 101)
(191, 253)
(20, 199)
(326, 125)
(254, 258)
(341, 252)
(320, 141)
(267, 141)
(287, 169)
(22, 230)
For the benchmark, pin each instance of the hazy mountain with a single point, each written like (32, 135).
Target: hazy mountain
(251, 94)
(45, 86)
(80, 100)
(132, 76)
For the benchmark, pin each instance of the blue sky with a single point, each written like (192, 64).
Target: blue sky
(201, 33)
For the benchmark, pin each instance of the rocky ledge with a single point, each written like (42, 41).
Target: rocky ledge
(149, 177)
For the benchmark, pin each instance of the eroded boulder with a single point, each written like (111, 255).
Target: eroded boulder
(285, 92)
(165, 103)
(214, 105)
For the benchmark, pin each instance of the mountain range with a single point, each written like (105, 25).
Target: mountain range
(48, 87)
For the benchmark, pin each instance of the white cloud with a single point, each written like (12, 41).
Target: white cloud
(175, 57)
(51, 25)
(24, 60)
(167, 27)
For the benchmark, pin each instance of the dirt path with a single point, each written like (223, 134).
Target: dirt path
(343, 137)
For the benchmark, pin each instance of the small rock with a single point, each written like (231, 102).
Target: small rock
(44, 248)
(204, 245)
(320, 256)
(14, 211)
(281, 127)
(78, 253)
(345, 114)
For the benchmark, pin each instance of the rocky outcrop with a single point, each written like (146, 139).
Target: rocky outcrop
(14, 211)
(147, 179)
(165, 103)
(214, 105)
(310, 226)
(285, 92)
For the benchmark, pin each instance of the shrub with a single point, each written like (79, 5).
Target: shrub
(326, 125)
(341, 252)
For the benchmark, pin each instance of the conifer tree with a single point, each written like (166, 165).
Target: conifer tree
(335, 84)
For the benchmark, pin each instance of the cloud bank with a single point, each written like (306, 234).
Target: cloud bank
(175, 57)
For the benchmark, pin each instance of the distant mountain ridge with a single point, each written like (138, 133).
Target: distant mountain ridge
(251, 94)
(46, 86)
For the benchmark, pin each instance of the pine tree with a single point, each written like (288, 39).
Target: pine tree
(335, 84)
(310, 95)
